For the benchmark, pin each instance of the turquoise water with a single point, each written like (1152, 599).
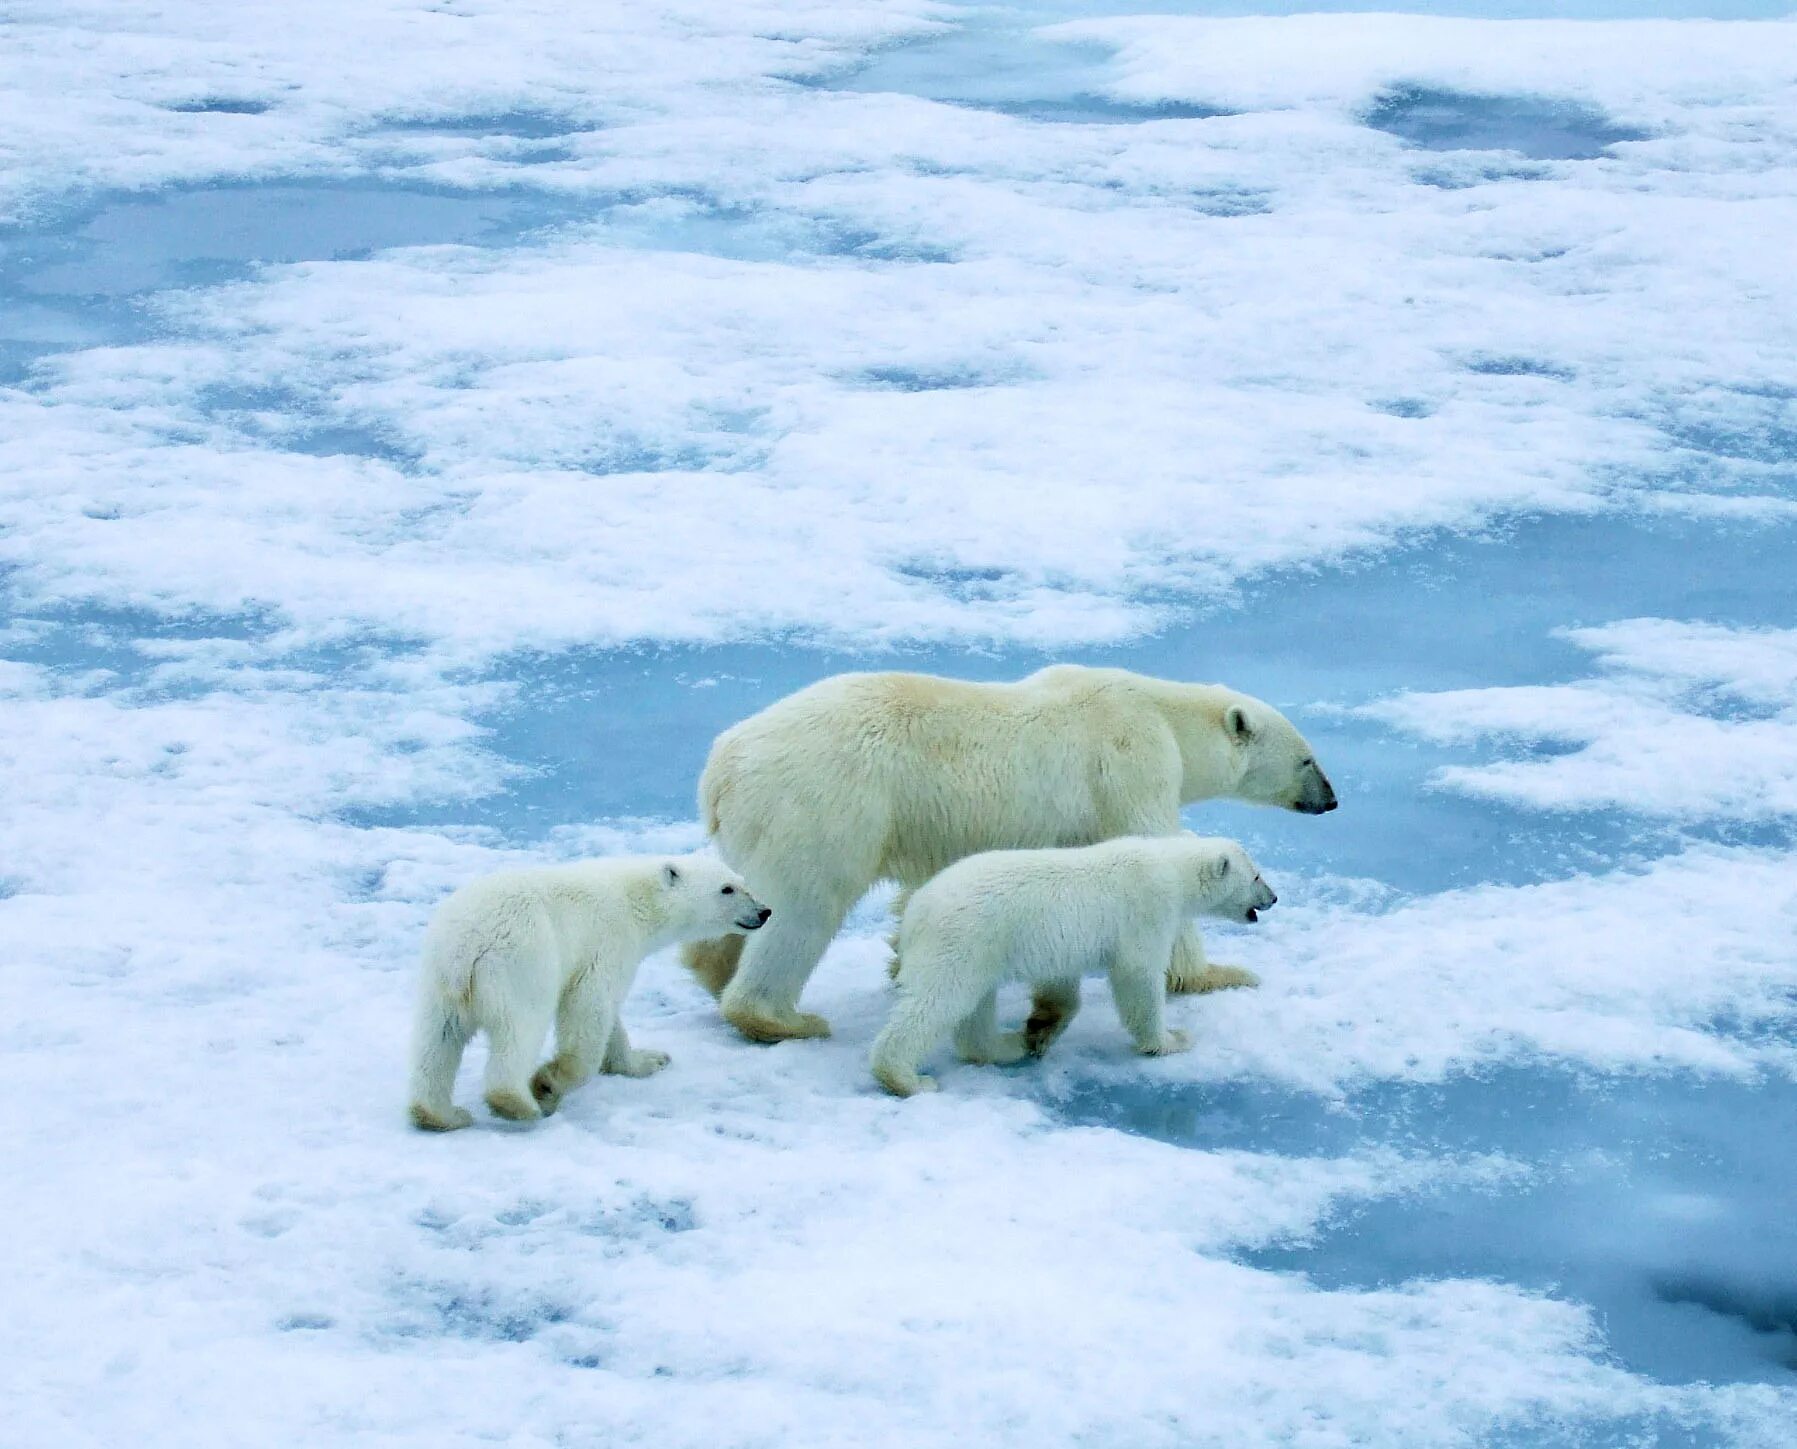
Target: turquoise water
(1652, 1199)
(1448, 613)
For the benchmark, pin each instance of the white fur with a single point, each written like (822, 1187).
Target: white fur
(1046, 917)
(509, 953)
(867, 777)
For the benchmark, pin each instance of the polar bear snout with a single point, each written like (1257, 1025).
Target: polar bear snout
(756, 921)
(1316, 796)
(1263, 897)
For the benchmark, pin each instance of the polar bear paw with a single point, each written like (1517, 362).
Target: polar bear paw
(1172, 1043)
(641, 1063)
(547, 1090)
(434, 1119)
(761, 1025)
(902, 1083)
(513, 1106)
(1210, 978)
(1002, 1050)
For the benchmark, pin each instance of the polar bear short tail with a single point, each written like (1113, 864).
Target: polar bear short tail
(713, 962)
(440, 1033)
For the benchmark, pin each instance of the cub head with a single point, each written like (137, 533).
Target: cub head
(1230, 886)
(1276, 764)
(712, 896)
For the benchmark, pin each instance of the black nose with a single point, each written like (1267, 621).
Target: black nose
(1333, 802)
(1272, 900)
(762, 915)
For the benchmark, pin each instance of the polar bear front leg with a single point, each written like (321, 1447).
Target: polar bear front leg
(1189, 972)
(1139, 987)
(899, 902)
(621, 1061)
(762, 999)
(585, 1021)
(978, 1039)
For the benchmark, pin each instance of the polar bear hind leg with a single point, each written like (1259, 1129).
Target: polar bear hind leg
(515, 1041)
(439, 1037)
(935, 996)
(713, 962)
(978, 1039)
(899, 902)
(912, 1029)
(1053, 1006)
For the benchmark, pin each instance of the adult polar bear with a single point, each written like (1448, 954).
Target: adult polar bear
(867, 777)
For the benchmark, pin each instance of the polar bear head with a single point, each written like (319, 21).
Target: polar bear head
(1226, 882)
(1275, 764)
(704, 896)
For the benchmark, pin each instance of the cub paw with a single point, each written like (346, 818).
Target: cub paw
(1210, 978)
(1044, 1024)
(902, 1083)
(513, 1106)
(1171, 1044)
(451, 1120)
(547, 1090)
(644, 1063)
(1007, 1048)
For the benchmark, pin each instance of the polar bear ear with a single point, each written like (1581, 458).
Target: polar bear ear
(1235, 723)
(670, 874)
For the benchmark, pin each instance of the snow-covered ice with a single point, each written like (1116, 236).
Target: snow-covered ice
(1689, 721)
(423, 426)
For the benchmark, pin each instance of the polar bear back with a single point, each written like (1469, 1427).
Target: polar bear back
(913, 771)
(556, 920)
(553, 913)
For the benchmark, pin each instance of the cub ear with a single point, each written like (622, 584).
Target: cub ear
(670, 874)
(1236, 726)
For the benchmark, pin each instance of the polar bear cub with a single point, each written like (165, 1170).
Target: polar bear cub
(511, 952)
(1046, 917)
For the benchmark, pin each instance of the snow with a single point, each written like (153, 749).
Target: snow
(424, 425)
(1225, 345)
(1694, 74)
(1689, 721)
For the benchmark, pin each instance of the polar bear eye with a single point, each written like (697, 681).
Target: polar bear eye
(1223, 869)
(729, 890)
